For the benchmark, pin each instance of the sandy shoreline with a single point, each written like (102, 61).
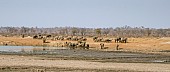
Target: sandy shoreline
(13, 60)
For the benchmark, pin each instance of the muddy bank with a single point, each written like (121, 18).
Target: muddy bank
(94, 55)
(31, 63)
(55, 69)
(82, 60)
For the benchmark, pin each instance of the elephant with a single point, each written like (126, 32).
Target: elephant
(107, 40)
(48, 36)
(121, 40)
(118, 40)
(44, 39)
(124, 40)
(102, 45)
(73, 45)
(37, 37)
(94, 38)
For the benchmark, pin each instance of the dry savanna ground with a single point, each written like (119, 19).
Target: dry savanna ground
(97, 60)
(134, 44)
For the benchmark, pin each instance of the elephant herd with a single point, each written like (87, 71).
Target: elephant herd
(70, 38)
(38, 37)
(81, 41)
(98, 39)
(82, 45)
(41, 37)
(121, 40)
(117, 40)
(54, 38)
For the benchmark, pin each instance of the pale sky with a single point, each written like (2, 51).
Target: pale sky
(85, 13)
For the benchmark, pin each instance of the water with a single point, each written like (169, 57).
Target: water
(25, 48)
(81, 53)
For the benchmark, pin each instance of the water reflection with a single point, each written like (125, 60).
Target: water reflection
(26, 48)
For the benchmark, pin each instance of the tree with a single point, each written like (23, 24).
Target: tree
(74, 31)
(106, 31)
(148, 31)
(98, 31)
(83, 31)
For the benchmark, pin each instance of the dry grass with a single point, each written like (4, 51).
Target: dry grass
(21, 41)
(134, 44)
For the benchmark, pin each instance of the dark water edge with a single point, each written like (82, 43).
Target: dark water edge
(93, 55)
(56, 69)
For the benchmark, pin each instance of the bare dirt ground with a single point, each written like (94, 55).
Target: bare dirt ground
(83, 60)
(139, 54)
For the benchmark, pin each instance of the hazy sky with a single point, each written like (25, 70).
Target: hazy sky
(85, 13)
